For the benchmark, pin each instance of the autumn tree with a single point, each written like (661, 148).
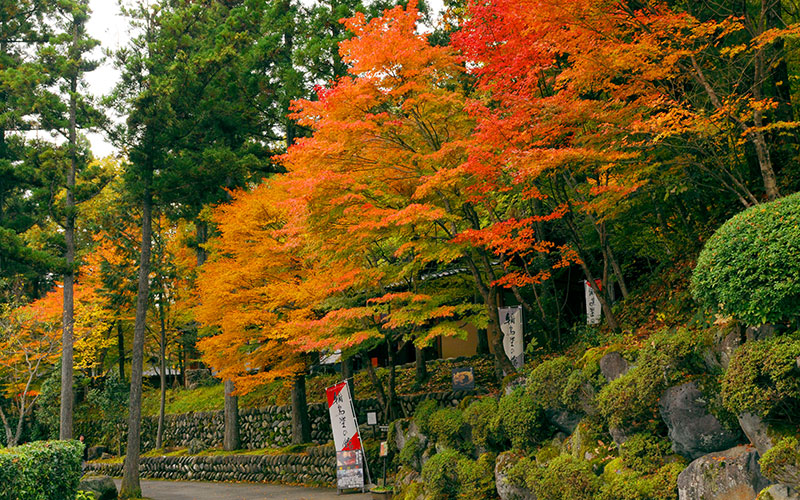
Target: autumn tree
(28, 348)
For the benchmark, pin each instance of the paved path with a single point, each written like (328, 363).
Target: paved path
(198, 490)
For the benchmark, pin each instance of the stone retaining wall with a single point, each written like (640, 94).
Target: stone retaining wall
(317, 467)
(271, 426)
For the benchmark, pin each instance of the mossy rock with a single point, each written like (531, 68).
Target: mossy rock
(782, 462)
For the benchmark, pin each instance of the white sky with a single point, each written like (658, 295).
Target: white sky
(111, 28)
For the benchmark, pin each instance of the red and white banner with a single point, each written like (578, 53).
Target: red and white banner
(343, 420)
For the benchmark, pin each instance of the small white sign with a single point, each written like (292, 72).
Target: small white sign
(594, 313)
(513, 342)
(372, 418)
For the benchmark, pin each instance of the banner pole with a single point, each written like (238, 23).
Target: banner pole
(358, 429)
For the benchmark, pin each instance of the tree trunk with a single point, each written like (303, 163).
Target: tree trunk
(483, 342)
(421, 372)
(231, 439)
(392, 396)
(201, 234)
(380, 393)
(347, 374)
(121, 350)
(130, 487)
(163, 376)
(301, 426)
(67, 397)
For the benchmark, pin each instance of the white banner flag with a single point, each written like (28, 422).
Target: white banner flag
(343, 421)
(513, 342)
(594, 313)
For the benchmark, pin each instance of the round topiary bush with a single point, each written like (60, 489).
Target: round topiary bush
(440, 475)
(750, 267)
(521, 420)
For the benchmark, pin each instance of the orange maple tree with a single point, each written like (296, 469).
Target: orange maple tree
(377, 201)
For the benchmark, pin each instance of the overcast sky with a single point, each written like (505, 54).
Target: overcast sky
(107, 25)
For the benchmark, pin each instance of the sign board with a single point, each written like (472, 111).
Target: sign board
(350, 459)
(372, 418)
(594, 313)
(330, 358)
(343, 419)
(463, 379)
(513, 342)
(384, 449)
(349, 470)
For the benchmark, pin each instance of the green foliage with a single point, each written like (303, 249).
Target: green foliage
(781, 463)
(667, 358)
(521, 419)
(43, 470)
(627, 484)
(563, 478)
(48, 405)
(423, 413)
(644, 452)
(109, 407)
(481, 415)
(750, 267)
(762, 378)
(547, 381)
(476, 478)
(409, 455)
(447, 426)
(85, 495)
(440, 475)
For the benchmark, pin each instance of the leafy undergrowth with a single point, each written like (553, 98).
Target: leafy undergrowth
(211, 398)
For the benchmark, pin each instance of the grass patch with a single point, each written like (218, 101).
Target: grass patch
(208, 398)
(212, 398)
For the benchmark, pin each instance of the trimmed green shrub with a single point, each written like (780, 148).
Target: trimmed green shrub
(43, 470)
(481, 415)
(440, 475)
(667, 359)
(476, 478)
(547, 381)
(762, 378)
(644, 452)
(564, 478)
(750, 267)
(781, 463)
(622, 483)
(447, 427)
(521, 420)
(423, 414)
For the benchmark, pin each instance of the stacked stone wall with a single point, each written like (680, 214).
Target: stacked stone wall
(270, 426)
(316, 467)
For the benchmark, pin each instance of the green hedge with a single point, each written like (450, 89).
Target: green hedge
(42, 470)
(750, 267)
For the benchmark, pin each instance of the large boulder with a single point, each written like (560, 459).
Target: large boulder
(613, 366)
(778, 492)
(756, 431)
(505, 489)
(719, 356)
(693, 430)
(103, 487)
(405, 430)
(732, 474)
